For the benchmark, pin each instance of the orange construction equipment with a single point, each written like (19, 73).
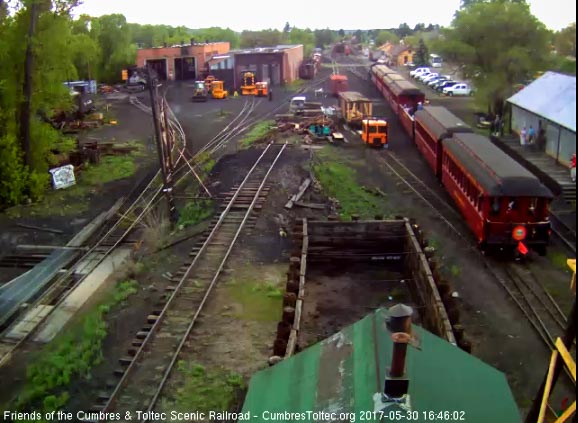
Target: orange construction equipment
(248, 86)
(262, 89)
(374, 132)
(209, 83)
(218, 89)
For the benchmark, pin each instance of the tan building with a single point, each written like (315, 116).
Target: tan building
(397, 55)
(184, 62)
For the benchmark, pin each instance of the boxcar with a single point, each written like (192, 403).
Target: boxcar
(307, 70)
(503, 203)
(433, 124)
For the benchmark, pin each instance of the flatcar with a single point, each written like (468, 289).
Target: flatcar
(432, 125)
(502, 202)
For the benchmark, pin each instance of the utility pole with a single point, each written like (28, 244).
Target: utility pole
(568, 340)
(164, 150)
(27, 89)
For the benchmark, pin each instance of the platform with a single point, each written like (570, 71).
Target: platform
(552, 174)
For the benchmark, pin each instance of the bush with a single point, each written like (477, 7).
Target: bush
(13, 174)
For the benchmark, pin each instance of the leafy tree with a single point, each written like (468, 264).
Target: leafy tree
(566, 41)
(500, 44)
(421, 54)
(268, 37)
(419, 27)
(302, 36)
(403, 30)
(114, 38)
(323, 37)
(386, 36)
(287, 28)
(341, 33)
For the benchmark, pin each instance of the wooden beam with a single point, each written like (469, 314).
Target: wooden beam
(570, 363)
(548, 387)
(299, 194)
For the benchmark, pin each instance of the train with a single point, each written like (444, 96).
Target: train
(505, 205)
(310, 66)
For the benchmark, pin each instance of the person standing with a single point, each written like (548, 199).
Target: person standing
(270, 94)
(523, 135)
(531, 135)
(573, 167)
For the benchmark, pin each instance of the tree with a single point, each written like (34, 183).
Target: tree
(421, 54)
(323, 37)
(566, 41)
(386, 36)
(419, 27)
(287, 28)
(341, 33)
(403, 31)
(499, 43)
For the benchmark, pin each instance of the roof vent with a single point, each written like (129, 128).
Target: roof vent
(399, 324)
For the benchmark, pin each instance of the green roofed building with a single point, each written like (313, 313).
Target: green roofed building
(342, 379)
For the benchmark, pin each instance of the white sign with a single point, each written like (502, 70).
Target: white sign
(63, 177)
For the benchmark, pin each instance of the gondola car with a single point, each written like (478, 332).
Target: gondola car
(503, 203)
(433, 124)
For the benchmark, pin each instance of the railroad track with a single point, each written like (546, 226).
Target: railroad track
(148, 366)
(564, 232)
(538, 306)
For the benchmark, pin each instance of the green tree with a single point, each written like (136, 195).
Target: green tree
(386, 36)
(566, 41)
(287, 28)
(341, 33)
(403, 30)
(115, 41)
(421, 54)
(324, 37)
(499, 43)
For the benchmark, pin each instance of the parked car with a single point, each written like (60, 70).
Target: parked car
(416, 72)
(445, 84)
(430, 77)
(423, 75)
(437, 80)
(458, 89)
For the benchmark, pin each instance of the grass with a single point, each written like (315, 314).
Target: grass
(258, 132)
(73, 200)
(340, 181)
(260, 301)
(195, 212)
(205, 389)
(558, 259)
(72, 354)
(295, 85)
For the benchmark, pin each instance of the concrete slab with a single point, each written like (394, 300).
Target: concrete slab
(29, 321)
(77, 298)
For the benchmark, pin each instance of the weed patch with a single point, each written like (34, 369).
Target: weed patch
(205, 389)
(259, 301)
(111, 168)
(558, 259)
(339, 181)
(70, 355)
(195, 212)
(258, 132)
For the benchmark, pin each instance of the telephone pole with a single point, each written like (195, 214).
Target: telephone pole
(163, 148)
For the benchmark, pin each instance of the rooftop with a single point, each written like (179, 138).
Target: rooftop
(345, 373)
(264, 50)
(552, 96)
(441, 122)
(498, 173)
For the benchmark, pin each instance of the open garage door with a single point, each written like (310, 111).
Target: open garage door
(160, 67)
(185, 68)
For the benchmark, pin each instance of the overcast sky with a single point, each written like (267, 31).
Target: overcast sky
(263, 14)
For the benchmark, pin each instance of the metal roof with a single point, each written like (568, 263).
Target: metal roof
(405, 88)
(499, 174)
(552, 96)
(345, 374)
(440, 122)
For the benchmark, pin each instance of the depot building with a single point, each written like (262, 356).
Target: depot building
(188, 62)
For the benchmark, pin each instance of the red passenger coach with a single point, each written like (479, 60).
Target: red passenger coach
(433, 124)
(502, 202)
(406, 95)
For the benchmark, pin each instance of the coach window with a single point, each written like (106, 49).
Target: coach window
(496, 206)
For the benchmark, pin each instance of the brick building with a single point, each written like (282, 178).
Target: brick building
(184, 62)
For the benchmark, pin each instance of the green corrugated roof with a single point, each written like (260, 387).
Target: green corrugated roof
(344, 373)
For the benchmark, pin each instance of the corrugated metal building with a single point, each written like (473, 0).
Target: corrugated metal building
(279, 65)
(183, 62)
(549, 103)
(346, 374)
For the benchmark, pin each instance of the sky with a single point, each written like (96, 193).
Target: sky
(263, 14)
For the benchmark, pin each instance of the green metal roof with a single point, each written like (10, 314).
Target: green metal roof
(345, 374)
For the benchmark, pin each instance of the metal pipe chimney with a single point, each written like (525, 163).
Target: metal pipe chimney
(399, 325)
